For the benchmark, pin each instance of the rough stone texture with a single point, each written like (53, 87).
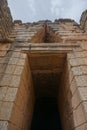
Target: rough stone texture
(28, 33)
(65, 99)
(83, 21)
(42, 59)
(6, 21)
(67, 32)
(16, 95)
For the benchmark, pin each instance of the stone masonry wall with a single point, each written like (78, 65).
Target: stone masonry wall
(27, 33)
(6, 21)
(83, 21)
(67, 31)
(64, 99)
(78, 67)
(73, 92)
(16, 92)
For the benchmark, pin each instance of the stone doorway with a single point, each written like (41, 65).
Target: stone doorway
(51, 80)
(46, 69)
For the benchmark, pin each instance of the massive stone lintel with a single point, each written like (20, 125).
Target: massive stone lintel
(46, 47)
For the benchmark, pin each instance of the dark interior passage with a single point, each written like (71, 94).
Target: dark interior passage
(46, 116)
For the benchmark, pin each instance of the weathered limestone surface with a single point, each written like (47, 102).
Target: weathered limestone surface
(32, 56)
(16, 92)
(27, 32)
(6, 21)
(67, 31)
(83, 21)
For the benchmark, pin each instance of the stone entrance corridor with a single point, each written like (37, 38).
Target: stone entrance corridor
(43, 75)
(51, 77)
(46, 76)
(46, 116)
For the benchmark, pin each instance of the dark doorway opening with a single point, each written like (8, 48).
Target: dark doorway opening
(46, 116)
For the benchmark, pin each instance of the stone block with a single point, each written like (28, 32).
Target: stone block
(16, 54)
(9, 54)
(11, 94)
(2, 53)
(2, 68)
(83, 93)
(10, 69)
(23, 55)
(13, 61)
(84, 45)
(78, 62)
(21, 62)
(4, 60)
(3, 91)
(6, 110)
(3, 125)
(79, 116)
(5, 81)
(80, 54)
(81, 81)
(5, 47)
(18, 70)
(71, 55)
(15, 81)
(76, 99)
(82, 127)
(79, 70)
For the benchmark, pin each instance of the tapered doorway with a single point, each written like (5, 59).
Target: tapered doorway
(46, 74)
